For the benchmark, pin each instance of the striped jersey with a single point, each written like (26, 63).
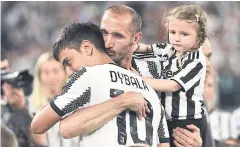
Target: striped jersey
(225, 125)
(162, 63)
(93, 85)
(235, 119)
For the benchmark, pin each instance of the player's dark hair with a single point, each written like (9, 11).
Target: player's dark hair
(73, 35)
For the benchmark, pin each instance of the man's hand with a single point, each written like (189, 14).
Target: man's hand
(185, 138)
(136, 102)
(15, 96)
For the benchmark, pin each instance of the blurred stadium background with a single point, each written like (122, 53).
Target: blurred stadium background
(29, 29)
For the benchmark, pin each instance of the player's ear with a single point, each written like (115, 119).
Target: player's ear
(86, 47)
(137, 37)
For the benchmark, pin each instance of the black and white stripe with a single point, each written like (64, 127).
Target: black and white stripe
(225, 125)
(186, 103)
(72, 79)
(72, 96)
(162, 130)
(147, 65)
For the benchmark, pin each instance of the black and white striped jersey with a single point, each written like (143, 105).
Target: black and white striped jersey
(225, 125)
(235, 121)
(93, 85)
(163, 63)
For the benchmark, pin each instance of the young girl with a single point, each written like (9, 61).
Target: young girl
(183, 67)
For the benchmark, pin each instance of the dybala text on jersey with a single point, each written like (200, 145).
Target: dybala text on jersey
(128, 80)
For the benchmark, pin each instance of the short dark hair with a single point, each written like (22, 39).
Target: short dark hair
(73, 35)
(123, 9)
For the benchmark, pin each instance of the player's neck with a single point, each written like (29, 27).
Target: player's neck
(103, 59)
(126, 62)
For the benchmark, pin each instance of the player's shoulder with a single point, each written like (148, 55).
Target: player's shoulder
(163, 49)
(77, 74)
(102, 68)
(197, 56)
(90, 72)
(81, 73)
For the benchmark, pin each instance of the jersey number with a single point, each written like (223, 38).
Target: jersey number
(121, 123)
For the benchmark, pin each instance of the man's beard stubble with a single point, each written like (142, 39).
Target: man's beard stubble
(119, 57)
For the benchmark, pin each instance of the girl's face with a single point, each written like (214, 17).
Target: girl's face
(182, 34)
(52, 75)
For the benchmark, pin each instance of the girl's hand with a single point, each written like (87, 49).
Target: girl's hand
(140, 47)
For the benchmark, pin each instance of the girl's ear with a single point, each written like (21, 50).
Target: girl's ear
(199, 39)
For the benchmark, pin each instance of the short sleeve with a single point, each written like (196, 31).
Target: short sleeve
(192, 72)
(75, 94)
(161, 49)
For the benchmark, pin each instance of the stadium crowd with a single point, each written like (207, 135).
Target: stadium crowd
(29, 29)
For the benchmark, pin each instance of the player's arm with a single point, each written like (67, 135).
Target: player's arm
(62, 105)
(44, 119)
(163, 145)
(87, 119)
(91, 118)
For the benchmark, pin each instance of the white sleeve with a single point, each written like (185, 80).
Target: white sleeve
(161, 49)
(75, 94)
(192, 72)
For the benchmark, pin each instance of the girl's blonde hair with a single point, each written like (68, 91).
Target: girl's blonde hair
(191, 13)
(38, 98)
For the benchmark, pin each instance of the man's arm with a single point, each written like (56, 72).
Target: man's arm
(88, 119)
(183, 137)
(91, 118)
(44, 119)
(47, 117)
(75, 96)
(163, 145)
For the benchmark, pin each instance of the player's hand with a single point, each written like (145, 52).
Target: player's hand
(136, 102)
(185, 138)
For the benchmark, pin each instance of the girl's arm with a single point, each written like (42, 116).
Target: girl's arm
(163, 85)
(143, 48)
